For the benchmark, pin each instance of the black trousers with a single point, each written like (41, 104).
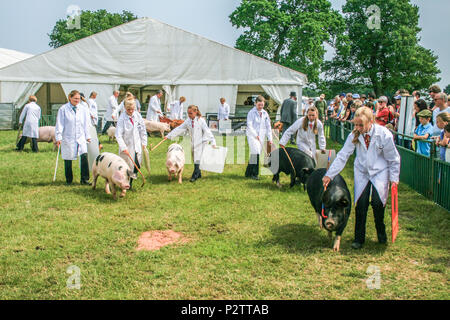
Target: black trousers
(84, 169)
(135, 169)
(197, 172)
(23, 140)
(362, 206)
(107, 125)
(253, 166)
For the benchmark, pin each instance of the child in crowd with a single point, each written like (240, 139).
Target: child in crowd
(424, 132)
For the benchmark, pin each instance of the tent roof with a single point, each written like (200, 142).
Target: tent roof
(8, 57)
(149, 52)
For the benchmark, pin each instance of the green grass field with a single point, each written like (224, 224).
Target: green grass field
(248, 239)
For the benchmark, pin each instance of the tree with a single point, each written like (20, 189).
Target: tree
(292, 33)
(90, 23)
(386, 56)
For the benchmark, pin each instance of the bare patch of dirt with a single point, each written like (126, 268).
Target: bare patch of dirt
(155, 240)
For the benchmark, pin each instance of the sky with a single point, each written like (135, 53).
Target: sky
(25, 24)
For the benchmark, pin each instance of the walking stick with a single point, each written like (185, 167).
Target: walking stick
(56, 166)
(128, 154)
(18, 134)
(157, 145)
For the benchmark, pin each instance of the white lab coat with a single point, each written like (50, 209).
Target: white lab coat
(306, 140)
(112, 109)
(93, 111)
(258, 126)
(200, 135)
(154, 109)
(32, 112)
(131, 136)
(176, 110)
(223, 112)
(73, 131)
(379, 165)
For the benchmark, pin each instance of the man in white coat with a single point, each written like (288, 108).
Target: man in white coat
(195, 125)
(307, 128)
(223, 112)
(112, 111)
(258, 128)
(131, 135)
(377, 164)
(176, 109)
(154, 107)
(32, 114)
(72, 135)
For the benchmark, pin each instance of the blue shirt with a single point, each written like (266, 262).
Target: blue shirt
(422, 146)
(442, 150)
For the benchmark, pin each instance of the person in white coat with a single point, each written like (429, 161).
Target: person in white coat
(72, 135)
(93, 108)
(154, 107)
(131, 135)
(307, 128)
(112, 111)
(377, 164)
(258, 128)
(195, 125)
(176, 109)
(32, 114)
(128, 95)
(223, 112)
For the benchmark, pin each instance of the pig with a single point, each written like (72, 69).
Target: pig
(153, 126)
(176, 123)
(175, 162)
(337, 204)
(115, 171)
(46, 134)
(111, 132)
(279, 162)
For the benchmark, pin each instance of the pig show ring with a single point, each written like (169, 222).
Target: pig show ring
(128, 154)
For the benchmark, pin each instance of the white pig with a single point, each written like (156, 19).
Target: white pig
(111, 132)
(46, 134)
(152, 126)
(115, 171)
(175, 162)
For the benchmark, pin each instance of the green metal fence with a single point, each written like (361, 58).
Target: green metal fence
(426, 175)
(47, 120)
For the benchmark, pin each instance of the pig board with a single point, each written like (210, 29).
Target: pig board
(92, 147)
(213, 160)
(322, 159)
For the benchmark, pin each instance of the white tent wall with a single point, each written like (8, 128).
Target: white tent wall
(280, 93)
(207, 98)
(18, 92)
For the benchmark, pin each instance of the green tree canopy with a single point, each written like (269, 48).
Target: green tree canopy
(387, 57)
(292, 33)
(447, 89)
(90, 23)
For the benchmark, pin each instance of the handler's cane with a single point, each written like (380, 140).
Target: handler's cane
(56, 166)
(128, 154)
(18, 134)
(153, 149)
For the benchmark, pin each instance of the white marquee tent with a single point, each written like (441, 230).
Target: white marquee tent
(146, 52)
(8, 57)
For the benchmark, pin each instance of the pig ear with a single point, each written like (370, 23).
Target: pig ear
(131, 174)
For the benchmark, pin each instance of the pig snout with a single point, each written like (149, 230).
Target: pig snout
(330, 224)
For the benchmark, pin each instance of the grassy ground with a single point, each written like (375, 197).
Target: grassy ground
(248, 240)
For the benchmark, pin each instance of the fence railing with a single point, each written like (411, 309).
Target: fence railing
(425, 174)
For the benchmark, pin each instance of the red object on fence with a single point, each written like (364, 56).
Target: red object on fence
(394, 207)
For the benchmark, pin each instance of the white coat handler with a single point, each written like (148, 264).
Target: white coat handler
(258, 128)
(72, 134)
(131, 135)
(200, 134)
(307, 128)
(376, 164)
(32, 114)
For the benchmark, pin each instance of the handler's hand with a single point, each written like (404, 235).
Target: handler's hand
(58, 143)
(323, 151)
(326, 181)
(215, 147)
(394, 184)
(88, 140)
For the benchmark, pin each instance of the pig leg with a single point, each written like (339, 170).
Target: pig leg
(319, 217)
(337, 244)
(180, 176)
(107, 186)
(94, 182)
(113, 190)
(292, 180)
(162, 134)
(170, 177)
(276, 179)
(123, 194)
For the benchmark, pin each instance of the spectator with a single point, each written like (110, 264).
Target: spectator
(447, 136)
(321, 106)
(433, 91)
(349, 98)
(442, 120)
(341, 116)
(419, 105)
(371, 103)
(355, 106)
(288, 112)
(423, 133)
(416, 95)
(363, 99)
(440, 99)
(384, 114)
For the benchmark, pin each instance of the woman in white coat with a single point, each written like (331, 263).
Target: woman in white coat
(131, 135)
(32, 114)
(72, 134)
(258, 128)
(377, 164)
(200, 134)
(154, 107)
(307, 129)
(176, 109)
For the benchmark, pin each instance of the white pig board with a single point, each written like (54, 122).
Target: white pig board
(92, 147)
(322, 159)
(213, 160)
